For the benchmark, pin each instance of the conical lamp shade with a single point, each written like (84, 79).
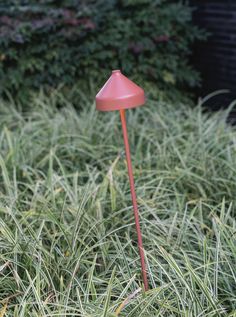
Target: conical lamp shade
(119, 93)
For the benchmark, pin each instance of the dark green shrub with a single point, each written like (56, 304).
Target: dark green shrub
(47, 42)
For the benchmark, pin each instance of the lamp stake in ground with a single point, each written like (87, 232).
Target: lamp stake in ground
(120, 93)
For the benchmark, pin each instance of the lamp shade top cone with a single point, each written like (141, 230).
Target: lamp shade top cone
(118, 93)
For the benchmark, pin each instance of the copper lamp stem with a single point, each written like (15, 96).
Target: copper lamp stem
(134, 199)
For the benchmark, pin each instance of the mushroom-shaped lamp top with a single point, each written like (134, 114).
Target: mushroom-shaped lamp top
(118, 93)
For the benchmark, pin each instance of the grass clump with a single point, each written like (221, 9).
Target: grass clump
(67, 237)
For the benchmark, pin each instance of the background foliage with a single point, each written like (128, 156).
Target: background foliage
(47, 42)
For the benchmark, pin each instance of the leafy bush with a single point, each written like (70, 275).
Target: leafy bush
(48, 42)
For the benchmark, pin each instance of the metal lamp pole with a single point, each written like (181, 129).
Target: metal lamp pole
(134, 199)
(120, 93)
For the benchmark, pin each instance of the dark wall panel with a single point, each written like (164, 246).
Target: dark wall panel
(216, 59)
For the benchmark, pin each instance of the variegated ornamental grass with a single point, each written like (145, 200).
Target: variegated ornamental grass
(67, 236)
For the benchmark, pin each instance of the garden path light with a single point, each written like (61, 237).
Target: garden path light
(120, 93)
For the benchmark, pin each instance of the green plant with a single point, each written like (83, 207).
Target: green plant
(51, 43)
(67, 241)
